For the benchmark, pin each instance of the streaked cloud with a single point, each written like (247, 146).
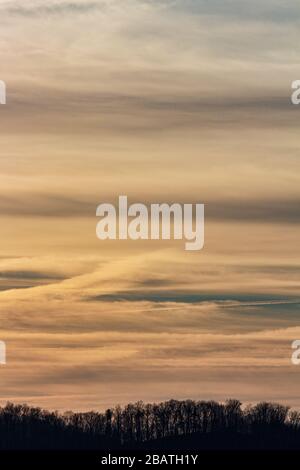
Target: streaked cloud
(164, 101)
(38, 8)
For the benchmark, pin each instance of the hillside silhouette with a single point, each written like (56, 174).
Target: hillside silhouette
(173, 424)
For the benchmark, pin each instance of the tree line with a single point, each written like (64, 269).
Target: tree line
(199, 423)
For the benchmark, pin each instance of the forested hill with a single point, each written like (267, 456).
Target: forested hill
(169, 425)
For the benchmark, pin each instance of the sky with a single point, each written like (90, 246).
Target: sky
(164, 101)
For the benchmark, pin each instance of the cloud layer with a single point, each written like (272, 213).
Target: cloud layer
(165, 101)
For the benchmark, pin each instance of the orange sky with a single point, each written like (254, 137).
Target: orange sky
(165, 101)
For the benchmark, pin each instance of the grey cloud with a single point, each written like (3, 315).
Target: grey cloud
(178, 296)
(266, 11)
(228, 316)
(113, 373)
(26, 279)
(57, 205)
(272, 211)
(156, 282)
(182, 102)
(281, 269)
(30, 275)
(54, 8)
(5, 287)
(45, 205)
(129, 372)
(60, 110)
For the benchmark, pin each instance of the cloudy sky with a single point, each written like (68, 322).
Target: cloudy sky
(165, 101)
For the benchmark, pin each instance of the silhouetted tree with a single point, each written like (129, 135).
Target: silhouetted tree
(199, 424)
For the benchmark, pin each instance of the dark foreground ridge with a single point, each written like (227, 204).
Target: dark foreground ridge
(172, 425)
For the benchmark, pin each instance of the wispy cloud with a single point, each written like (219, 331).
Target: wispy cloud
(37, 8)
(167, 101)
(185, 297)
